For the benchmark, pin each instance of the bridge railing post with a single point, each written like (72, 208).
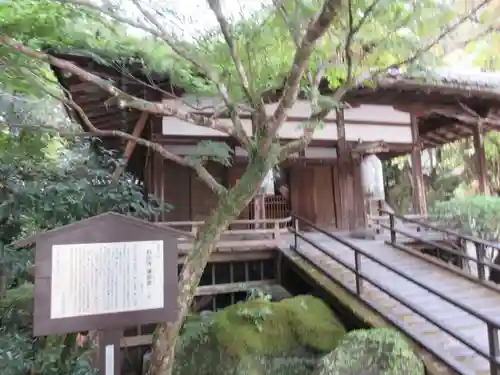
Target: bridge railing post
(494, 349)
(391, 227)
(357, 268)
(480, 250)
(295, 230)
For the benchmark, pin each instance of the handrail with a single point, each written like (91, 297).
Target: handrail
(444, 230)
(239, 221)
(479, 260)
(279, 228)
(493, 325)
(480, 244)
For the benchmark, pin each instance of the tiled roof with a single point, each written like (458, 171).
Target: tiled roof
(456, 78)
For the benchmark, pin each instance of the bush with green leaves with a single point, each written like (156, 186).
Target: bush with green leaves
(47, 182)
(478, 215)
(23, 354)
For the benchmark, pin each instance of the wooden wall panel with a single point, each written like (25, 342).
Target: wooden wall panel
(176, 191)
(323, 193)
(302, 191)
(234, 173)
(204, 200)
(157, 179)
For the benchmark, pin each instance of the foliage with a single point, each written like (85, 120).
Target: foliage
(478, 215)
(45, 182)
(372, 352)
(22, 354)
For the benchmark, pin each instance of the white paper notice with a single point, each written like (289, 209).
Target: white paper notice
(110, 360)
(103, 278)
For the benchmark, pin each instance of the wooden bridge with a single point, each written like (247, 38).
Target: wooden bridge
(452, 314)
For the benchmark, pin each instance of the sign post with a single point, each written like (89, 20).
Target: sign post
(105, 273)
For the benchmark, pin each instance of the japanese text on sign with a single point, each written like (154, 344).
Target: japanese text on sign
(103, 278)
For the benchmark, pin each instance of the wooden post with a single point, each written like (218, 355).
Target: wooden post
(346, 193)
(129, 149)
(481, 169)
(419, 198)
(109, 352)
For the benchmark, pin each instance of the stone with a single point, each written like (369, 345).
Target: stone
(364, 234)
(261, 337)
(380, 351)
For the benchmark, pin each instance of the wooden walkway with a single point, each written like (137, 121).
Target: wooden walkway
(476, 296)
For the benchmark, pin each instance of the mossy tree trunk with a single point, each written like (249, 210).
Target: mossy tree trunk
(230, 205)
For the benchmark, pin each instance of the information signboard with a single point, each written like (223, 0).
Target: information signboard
(105, 273)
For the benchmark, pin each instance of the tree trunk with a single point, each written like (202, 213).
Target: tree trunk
(228, 208)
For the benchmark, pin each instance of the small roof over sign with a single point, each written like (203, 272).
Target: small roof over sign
(100, 219)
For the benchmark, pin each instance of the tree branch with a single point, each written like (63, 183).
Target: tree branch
(201, 171)
(314, 120)
(314, 32)
(225, 27)
(302, 142)
(160, 32)
(124, 100)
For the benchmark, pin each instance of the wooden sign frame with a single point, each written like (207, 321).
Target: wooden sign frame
(105, 228)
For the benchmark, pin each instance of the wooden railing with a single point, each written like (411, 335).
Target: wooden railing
(492, 354)
(378, 222)
(480, 245)
(261, 238)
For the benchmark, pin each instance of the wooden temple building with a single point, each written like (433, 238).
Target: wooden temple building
(401, 116)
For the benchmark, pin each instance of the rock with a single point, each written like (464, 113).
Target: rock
(364, 234)
(260, 337)
(372, 352)
(277, 292)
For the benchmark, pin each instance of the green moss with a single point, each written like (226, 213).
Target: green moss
(260, 337)
(271, 328)
(373, 351)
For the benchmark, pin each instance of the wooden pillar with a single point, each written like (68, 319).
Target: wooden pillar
(419, 198)
(347, 219)
(481, 169)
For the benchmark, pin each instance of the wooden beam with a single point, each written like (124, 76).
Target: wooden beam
(481, 171)
(419, 198)
(436, 137)
(129, 149)
(425, 139)
(365, 148)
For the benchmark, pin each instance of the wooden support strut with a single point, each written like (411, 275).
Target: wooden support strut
(481, 169)
(129, 149)
(419, 198)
